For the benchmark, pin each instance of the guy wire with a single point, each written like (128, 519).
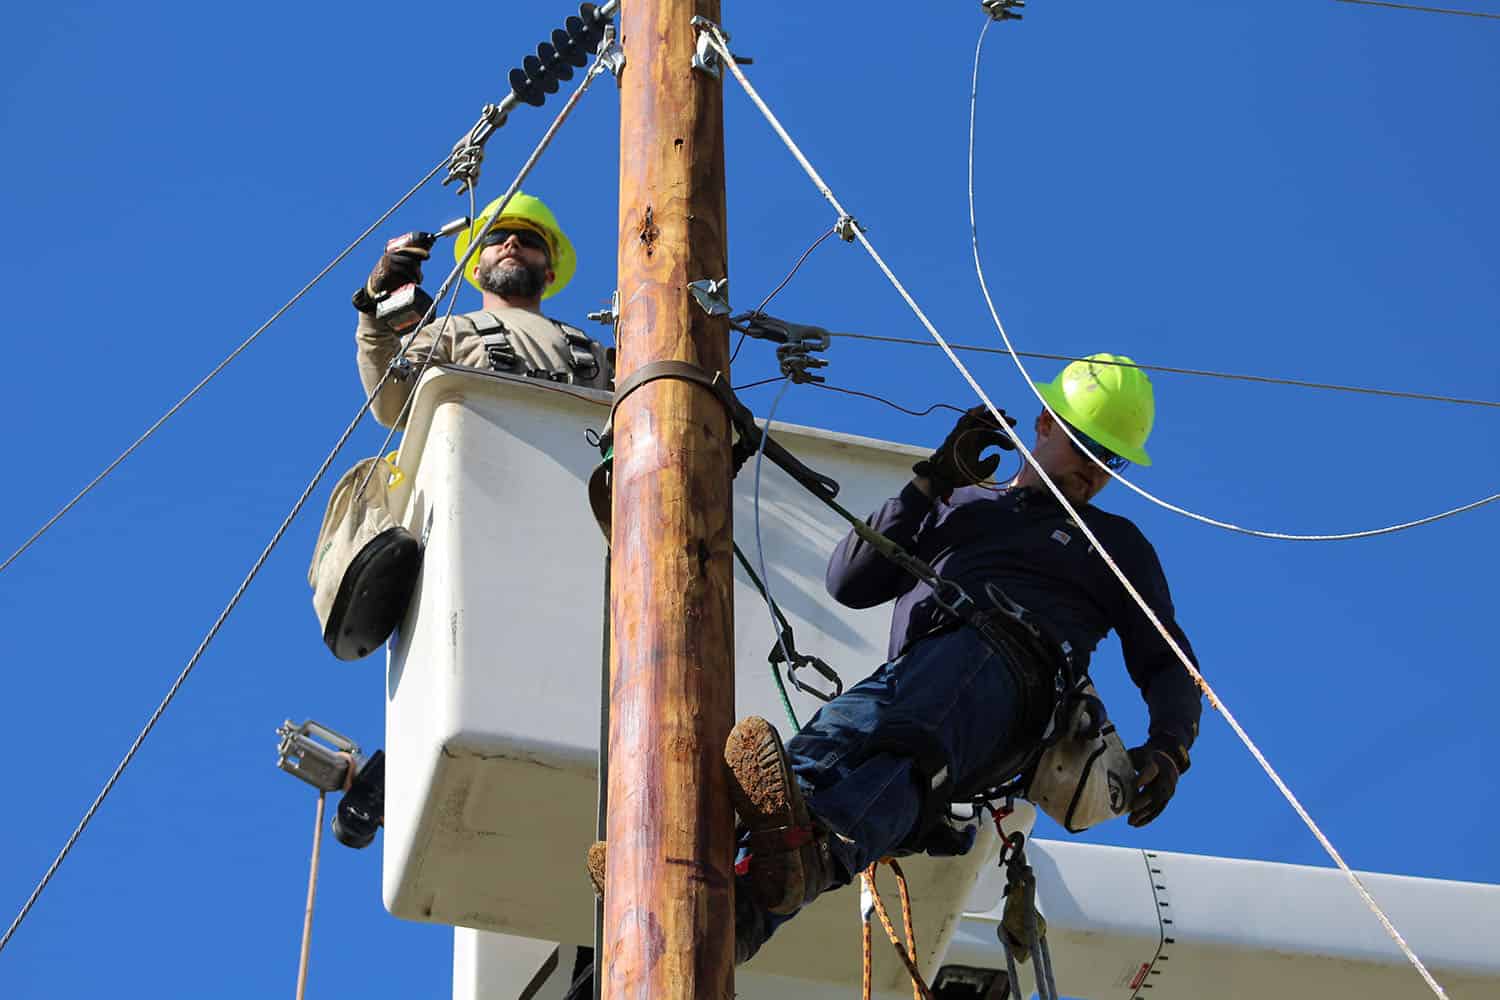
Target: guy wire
(222, 365)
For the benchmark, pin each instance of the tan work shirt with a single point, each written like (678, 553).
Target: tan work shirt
(516, 341)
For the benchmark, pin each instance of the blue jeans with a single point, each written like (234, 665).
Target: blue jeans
(954, 688)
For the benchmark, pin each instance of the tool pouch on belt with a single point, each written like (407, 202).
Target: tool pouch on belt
(364, 568)
(1085, 776)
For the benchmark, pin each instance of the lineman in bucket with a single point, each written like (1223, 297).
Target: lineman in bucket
(524, 258)
(364, 568)
(955, 712)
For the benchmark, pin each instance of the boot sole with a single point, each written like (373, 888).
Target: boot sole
(766, 796)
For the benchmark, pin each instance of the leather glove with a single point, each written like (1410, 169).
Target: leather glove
(956, 462)
(1158, 763)
(394, 269)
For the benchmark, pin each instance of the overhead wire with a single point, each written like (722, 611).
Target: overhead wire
(1200, 372)
(784, 282)
(221, 366)
(1088, 453)
(265, 554)
(1426, 10)
(720, 44)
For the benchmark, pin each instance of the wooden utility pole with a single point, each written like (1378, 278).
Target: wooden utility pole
(669, 914)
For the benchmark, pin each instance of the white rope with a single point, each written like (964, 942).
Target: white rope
(1031, 383)
(717, 41)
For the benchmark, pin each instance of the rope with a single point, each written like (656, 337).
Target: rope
(312, 894)
(907, 953)
(1202, 518)
(716, 40)
(259, 563)
(1199, 372)
(218, 368)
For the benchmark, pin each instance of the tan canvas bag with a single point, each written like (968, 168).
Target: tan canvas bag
(365, 565)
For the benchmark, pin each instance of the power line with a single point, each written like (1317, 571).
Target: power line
(1425, 10)
(721, 46)
(286, 523)
(219, 368)
(1200, 372)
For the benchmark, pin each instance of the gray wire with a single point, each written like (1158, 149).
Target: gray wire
(188, 669)
(270, 546)
(1425, 10)
(721, 46)
(219, 368)
(1201, 372)
(1164, 504)
(760, 549)
(474, 244)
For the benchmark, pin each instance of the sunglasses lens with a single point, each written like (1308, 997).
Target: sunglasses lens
(528, 238)
(1115, 463)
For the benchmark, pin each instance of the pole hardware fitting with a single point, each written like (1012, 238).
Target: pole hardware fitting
(611, 54)
(611, 315)
(847, 228)
(795, 343)
(1003, 10)
(316, 754)
(711, 295)
(705, 56)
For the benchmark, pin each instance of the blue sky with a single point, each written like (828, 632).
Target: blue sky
(1296, 188)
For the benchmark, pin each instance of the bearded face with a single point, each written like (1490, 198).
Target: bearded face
(513, 277)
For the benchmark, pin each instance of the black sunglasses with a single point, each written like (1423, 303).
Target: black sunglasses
(528, 238)
(1116, 463)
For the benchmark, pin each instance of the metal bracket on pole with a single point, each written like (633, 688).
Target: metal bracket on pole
(611, 315)
(712, 296)
(1003, 10)
(705, 59)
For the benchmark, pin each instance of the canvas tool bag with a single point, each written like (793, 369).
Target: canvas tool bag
(365, 564)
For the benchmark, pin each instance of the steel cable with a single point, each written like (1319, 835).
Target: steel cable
(1425, 10)
(1141, 491)
(718, 42)
(221, 366)
(266, 552)
(1199, 372)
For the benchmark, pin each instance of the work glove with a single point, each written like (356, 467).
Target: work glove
(956, 462)
(1158, 763)
(394, 269)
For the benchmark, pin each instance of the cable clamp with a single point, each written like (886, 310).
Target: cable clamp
(847, 228)
(1003, 10)
(610, 54)
(711, 295)
(468, 153)
(705, 57)
(795, 342)
(316, 754)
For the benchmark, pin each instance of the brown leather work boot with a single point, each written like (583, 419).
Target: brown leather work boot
(788, 864)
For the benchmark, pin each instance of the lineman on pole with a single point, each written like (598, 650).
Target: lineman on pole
(961, 709)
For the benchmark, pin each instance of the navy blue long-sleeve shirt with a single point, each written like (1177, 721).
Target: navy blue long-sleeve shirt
(1021, 540)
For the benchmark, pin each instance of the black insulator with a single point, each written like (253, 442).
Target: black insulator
(538, 75)
(553, 62)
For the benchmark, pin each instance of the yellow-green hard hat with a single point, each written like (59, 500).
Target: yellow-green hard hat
(1111, 403)
(534, 214)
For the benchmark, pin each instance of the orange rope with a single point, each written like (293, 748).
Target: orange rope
(906, 953)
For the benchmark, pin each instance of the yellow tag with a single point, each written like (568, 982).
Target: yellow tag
(397, 477)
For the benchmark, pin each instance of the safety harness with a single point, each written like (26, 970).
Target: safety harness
(582, 364)
(1055, 693)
